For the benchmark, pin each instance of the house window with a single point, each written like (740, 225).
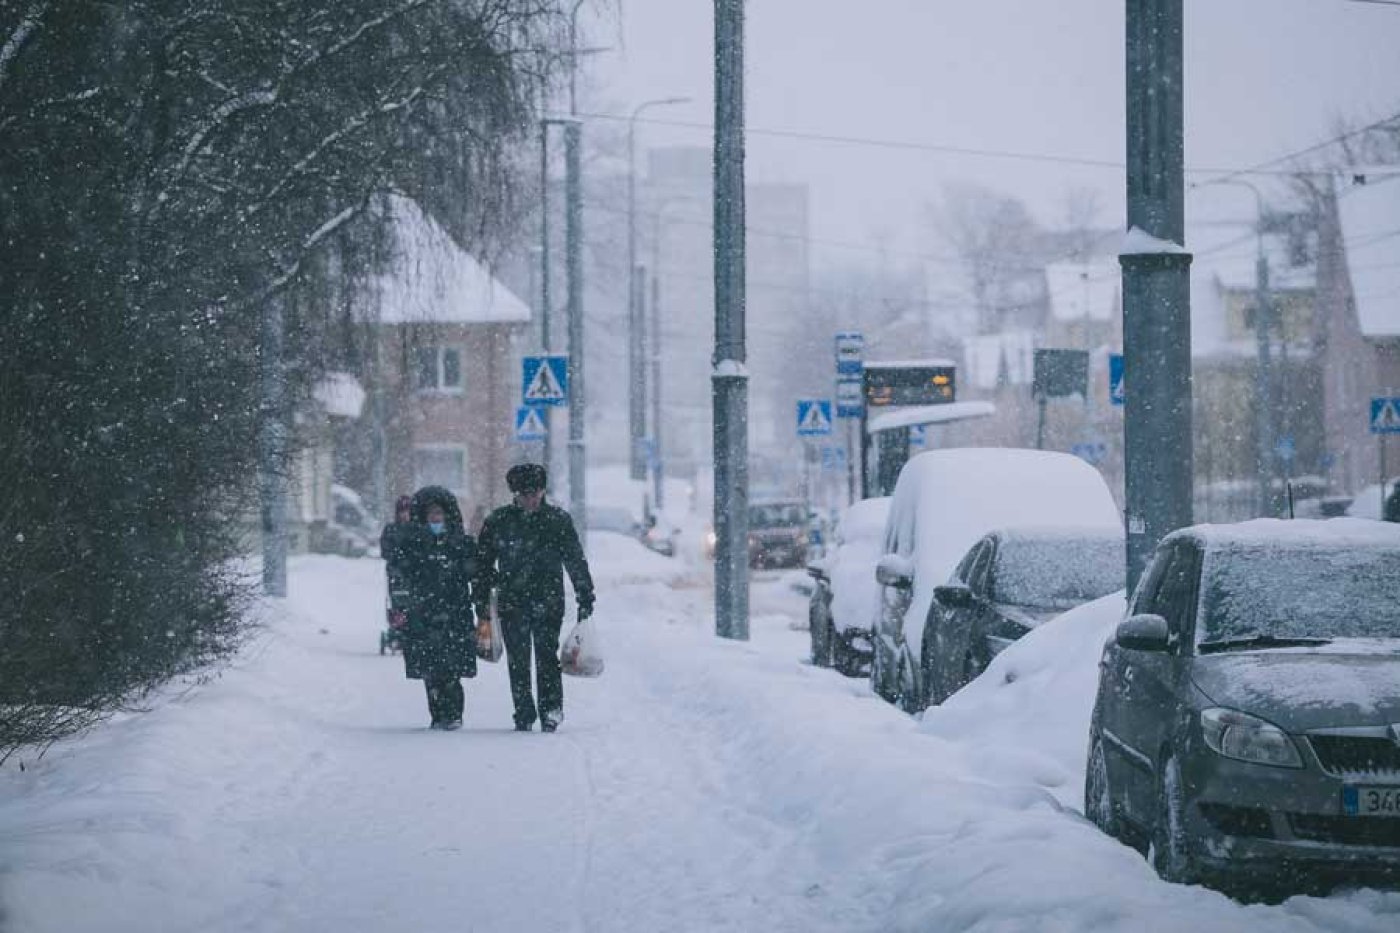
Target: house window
(439, 369)
(440, 465)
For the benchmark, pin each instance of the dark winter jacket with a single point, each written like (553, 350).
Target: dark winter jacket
(523, 556)
(438, 572)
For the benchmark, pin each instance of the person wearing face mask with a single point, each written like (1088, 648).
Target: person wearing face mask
(525, 549)
(439, 564)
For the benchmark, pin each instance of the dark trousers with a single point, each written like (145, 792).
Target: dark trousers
(533, 631)
(446, 698)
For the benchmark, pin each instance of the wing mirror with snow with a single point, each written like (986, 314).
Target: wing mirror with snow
(1143, 633)
(953, 596)
(896, 571)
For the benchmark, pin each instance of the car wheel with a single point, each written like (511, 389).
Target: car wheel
(1168, 850)
(1098, 795)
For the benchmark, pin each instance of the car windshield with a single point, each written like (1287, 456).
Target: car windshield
(1057, 573)
(1300, 592)
(777, 515)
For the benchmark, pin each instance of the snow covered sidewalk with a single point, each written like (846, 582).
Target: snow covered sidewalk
(697, 786)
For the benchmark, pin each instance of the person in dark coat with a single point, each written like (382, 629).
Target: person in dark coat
(1391, 513)
(392, 540)
(439, 563)
(524, 549)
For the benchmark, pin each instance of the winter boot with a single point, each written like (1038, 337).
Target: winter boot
(550, 721)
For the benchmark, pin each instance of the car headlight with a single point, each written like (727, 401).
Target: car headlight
(1243, 737)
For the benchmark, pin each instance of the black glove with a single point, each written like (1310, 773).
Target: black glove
(585, 610)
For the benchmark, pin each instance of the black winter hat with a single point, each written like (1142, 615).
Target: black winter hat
(526, 477)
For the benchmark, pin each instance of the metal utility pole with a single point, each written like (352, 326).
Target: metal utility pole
(658, 464)
(730, 377)
(1263, 381)
(573, 232)
(273, 442)
(545, 297)
(636, 356)
(1156, 286)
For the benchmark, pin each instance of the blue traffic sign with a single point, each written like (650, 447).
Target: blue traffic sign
(1385, 415)
(1115, 378)
(1285, 449)
(1091, 452)
(813, 417)
(850, 353)
(529, 424)
(546, 380)
(918, 436)
(850, 398)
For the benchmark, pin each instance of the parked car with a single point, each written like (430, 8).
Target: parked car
(1247, 723)
(846, 597)
(778, 533)
(351, 531)
(944, 501)
(614, 518)
(1008, 583)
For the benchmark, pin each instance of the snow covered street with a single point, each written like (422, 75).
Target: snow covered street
(696, 786)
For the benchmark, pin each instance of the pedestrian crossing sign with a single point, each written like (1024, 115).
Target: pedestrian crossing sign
(546, 380)
(1385, 415)
(529, 424)
(814, 417)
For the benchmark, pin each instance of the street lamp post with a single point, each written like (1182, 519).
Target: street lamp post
(636, 345)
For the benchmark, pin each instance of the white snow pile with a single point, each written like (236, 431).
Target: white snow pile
(855, 594)
(616, 560)
(1026, 718)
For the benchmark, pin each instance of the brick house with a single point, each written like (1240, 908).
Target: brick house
(442, 372)
(1359, 284)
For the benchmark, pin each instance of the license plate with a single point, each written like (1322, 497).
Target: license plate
(1371, 801)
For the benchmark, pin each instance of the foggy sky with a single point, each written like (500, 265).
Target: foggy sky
(1263, 77)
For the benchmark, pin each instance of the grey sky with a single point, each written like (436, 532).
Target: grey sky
(1263, 77)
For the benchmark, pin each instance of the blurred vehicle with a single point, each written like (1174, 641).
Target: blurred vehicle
(656, 536)
(1247, 723)
(1011, 581)
(846, 598)
(944, 501)
(614, 518)
(352, 530)
(778, 533)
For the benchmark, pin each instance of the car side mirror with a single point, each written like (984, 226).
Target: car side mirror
(953, 596)
(1143, 633)
(816, 571)
(895, 571)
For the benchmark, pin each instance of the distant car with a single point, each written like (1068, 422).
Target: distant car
(846, 598)
(1011, 581)
(944, 501)
(352, 530)
(778, 533)
(1247, 723)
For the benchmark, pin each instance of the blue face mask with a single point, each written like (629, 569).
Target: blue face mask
(437, 528)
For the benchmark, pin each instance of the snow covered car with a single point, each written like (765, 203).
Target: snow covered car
(944, 501)
(1010, 582)
(1247, 721)
(778, 534)
(846, 598)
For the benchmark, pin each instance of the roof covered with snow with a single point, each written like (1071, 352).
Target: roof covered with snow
(340, 394)
(1294, 533)
(432, 280)
(1079, 290)
(1370, 216)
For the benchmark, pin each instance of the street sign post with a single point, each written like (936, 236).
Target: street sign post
(529, 424)
(814, 417)
(850, 353)
(545, 380)
(1385, 419)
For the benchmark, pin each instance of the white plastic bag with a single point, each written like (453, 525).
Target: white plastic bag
(580, 654)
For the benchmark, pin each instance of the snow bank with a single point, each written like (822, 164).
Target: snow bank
(855, 595)
(1026, 718)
